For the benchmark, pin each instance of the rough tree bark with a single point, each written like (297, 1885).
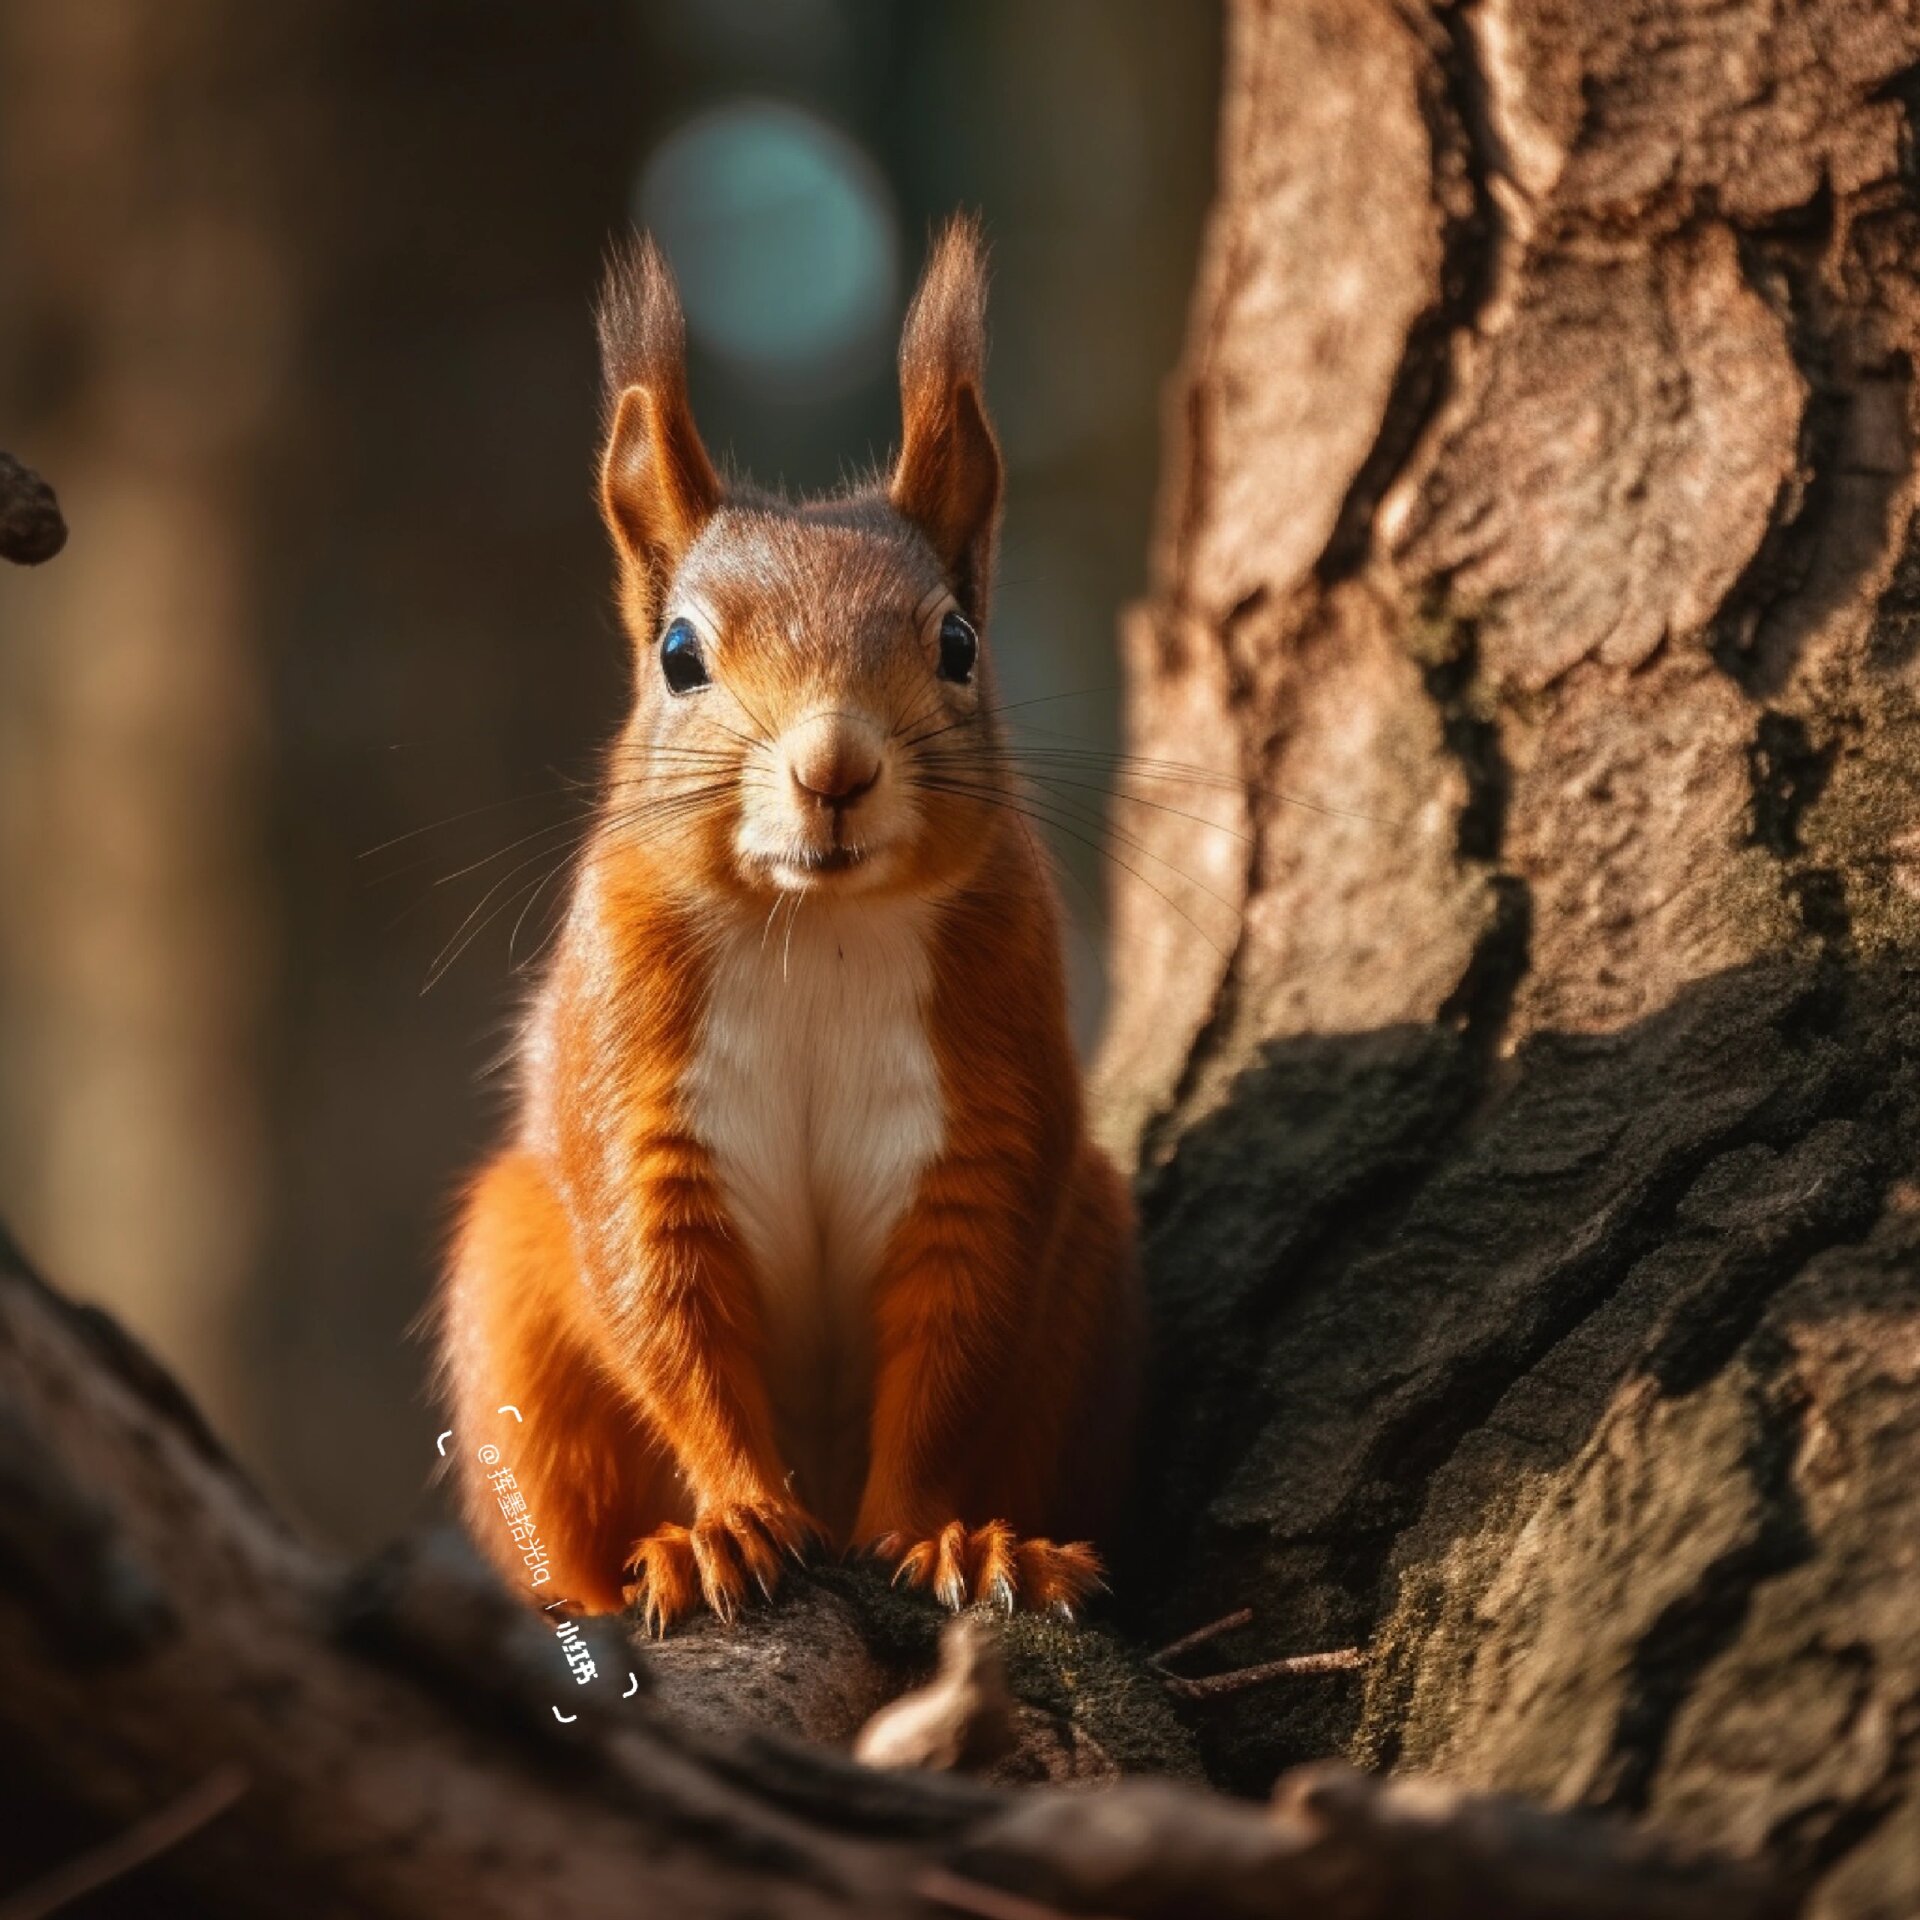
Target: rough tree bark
(1526, 1126)
(1528, 1180)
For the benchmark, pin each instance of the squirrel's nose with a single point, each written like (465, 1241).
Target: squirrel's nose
(834, 758)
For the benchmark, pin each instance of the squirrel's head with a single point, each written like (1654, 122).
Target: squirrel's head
(812, 704)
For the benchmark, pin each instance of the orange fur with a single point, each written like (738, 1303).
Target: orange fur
(604, 1278)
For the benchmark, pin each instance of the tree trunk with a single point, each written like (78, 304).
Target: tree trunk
(1528, 1171)
(1512, 1024)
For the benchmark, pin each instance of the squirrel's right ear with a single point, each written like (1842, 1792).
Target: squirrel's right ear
(657, 486)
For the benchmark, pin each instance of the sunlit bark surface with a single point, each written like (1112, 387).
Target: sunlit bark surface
(1528, 1166)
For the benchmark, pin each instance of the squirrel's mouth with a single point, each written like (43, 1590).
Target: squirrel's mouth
(796, 867)
(826, 859)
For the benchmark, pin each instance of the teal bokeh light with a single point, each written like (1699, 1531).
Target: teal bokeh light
(783, 236)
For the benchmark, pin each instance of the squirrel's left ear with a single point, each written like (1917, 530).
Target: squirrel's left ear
(947, 480)
(657, 486)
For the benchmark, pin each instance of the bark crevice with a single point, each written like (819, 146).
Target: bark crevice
(1453, 102)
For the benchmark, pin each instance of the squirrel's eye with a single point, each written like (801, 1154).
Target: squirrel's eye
(681, 660)
(959, 648)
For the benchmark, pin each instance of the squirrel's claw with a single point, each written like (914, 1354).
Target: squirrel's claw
(726, 1550)
(962, 1565)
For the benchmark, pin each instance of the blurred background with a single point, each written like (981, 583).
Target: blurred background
(295, 314)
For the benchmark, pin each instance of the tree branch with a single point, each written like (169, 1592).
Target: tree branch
(160, 1627)
(31, 529)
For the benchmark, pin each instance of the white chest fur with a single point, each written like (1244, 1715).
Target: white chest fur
(815, 1089)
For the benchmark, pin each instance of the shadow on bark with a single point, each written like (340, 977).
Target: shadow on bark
(1564, 1381)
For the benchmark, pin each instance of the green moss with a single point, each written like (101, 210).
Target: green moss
(1098, 1680)
(1086, 1673)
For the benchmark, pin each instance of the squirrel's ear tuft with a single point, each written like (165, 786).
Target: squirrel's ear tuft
(948, 477)
(657, 486)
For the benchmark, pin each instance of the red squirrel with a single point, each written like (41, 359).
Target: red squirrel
(799, 1239)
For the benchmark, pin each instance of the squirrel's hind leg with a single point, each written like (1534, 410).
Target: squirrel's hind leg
(579, 1476)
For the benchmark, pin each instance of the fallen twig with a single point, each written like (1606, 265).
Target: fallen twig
(1293, 1667)
(1201, 1635)
(1211, 1686)
(116, 1858)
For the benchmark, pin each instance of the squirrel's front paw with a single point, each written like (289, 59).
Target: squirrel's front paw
(726, 1552)
(991, 1563)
